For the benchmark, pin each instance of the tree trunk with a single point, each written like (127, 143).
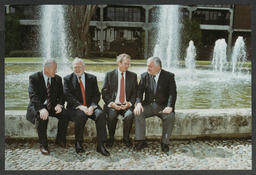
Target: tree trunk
(78, 23)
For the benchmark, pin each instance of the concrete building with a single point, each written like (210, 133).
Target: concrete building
(128, 28)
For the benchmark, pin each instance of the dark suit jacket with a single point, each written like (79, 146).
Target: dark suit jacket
(38, 94)
(166, 93)
(110, 85)
(73, 93)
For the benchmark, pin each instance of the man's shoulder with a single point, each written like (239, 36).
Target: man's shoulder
(69, 76)
(111, 72)
(167, 73)
(36, 75)
(90, 76)
(58, 77)
(144, 74)
(131, 73)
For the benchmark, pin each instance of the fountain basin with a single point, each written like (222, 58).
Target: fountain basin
(189, 124)
(200, 89)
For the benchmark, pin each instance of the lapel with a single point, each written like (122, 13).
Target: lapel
(75, 81)
(115, 80)
(126, 82)
(86, 83)
(159, 80)
(42, 82)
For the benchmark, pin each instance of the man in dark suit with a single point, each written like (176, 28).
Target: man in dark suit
(119, 94)
(160, 92)
(47, 99)
(82, 95)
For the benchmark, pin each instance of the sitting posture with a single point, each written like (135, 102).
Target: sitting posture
(119, 94)
(159, 88)
(47, 99)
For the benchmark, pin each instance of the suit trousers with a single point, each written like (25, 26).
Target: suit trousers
(41, 126)
(112, 121)
(149, 111)
(80, 119)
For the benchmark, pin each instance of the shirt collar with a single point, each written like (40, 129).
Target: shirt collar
(157, 75)
(119, 72)
(82, 77)
(45, 76)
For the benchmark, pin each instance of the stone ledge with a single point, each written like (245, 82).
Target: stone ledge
(189, 124)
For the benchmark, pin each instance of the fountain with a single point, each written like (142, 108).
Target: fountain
(190, 56)
(53, 33)
(238, 56)
(219, 60)
(201, 88)
(168, 38)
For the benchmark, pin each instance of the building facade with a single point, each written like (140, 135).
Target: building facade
(128, 28)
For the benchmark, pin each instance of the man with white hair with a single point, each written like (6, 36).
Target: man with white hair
(82, 95)
(159, 88)
(47, 99)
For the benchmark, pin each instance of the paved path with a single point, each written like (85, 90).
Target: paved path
(183, 155)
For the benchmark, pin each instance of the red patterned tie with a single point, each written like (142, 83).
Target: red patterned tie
(121, 98)
(83, 91)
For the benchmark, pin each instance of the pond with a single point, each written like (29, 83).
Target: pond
(199, 89)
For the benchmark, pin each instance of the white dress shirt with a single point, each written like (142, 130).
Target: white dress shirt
(45, 81)
(157, 77)
(82, 78)
(118, 88)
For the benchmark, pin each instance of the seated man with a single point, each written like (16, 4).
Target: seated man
(47, 99)
(159, 88)
(82, 95)
(119, 94)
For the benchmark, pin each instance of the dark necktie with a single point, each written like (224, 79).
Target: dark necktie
(82, 91)
(121, 98)
(48, 100)
(154, 84)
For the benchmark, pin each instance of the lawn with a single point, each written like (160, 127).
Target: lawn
(99, 60)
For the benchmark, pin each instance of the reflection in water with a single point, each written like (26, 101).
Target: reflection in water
(205, 89)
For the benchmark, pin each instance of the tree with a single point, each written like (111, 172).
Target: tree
(79, 17)
(12, 33)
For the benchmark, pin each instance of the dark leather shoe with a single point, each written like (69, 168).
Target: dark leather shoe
(127, 143)
(61, 143)
(164, 147)
(79, 147)
(44, 150)
(110, 143)
(101, 149)
(140, 145)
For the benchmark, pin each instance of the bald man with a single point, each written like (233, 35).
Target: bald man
(47, 99)
(82, 95)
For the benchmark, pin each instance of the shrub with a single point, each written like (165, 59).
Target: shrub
(24, 53)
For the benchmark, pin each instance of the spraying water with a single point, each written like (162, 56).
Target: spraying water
(190, 57)
(238, 54)
(219, 60)
(168, 37)
(53, 33)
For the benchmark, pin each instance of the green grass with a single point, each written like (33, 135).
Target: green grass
(100, 60)
(87, 60)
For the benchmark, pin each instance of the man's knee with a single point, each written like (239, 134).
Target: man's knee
(128, 116)
(78, 117)
(112, 115)
(169, 117)
(100, 115)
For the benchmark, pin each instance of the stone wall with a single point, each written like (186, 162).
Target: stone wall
(189, 124)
